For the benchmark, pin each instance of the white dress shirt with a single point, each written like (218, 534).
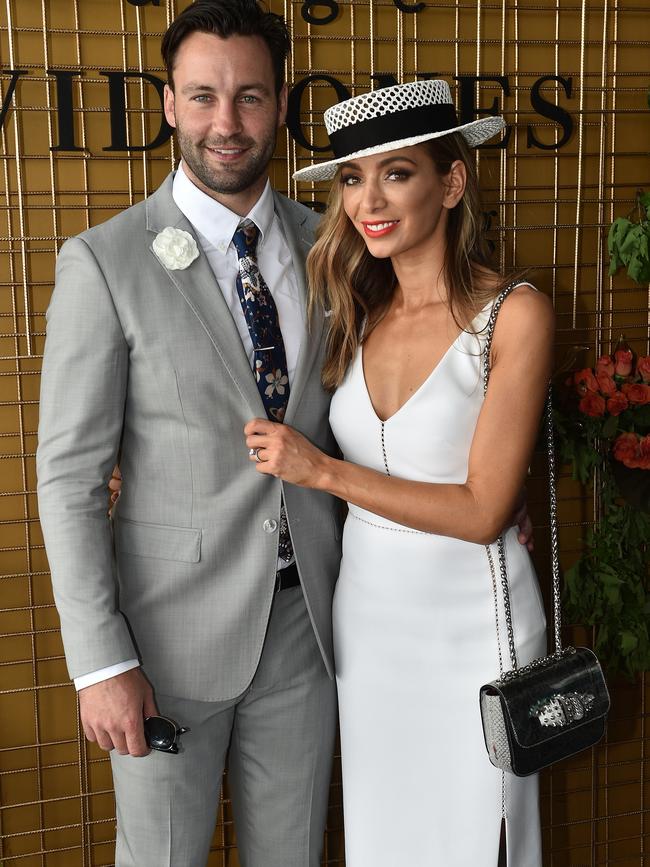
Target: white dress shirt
(214, 225)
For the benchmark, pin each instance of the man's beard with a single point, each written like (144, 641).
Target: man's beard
(227, 179)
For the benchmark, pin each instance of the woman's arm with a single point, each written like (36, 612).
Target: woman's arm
(477, 510)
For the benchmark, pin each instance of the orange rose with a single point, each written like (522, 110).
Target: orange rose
(606, 384)
(623, 362)
(617, 403)
(637, 392)
(626, 449)
(585, 381)
(592, 404)
(605, 364)
(643, 368)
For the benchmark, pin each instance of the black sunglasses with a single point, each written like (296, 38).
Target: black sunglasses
(162, 733)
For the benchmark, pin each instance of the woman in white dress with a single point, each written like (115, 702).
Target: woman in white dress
(430, 472)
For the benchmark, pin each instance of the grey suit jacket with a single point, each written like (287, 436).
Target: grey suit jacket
(145, 364)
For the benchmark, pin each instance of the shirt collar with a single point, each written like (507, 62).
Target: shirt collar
(216, 223)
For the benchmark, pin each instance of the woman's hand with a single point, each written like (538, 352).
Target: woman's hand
(279, 450)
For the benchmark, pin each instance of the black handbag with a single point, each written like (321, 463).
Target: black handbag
(557, 705)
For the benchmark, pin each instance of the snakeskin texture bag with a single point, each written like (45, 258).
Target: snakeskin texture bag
(557, 705)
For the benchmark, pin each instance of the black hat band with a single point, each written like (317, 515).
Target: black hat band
(397, 125)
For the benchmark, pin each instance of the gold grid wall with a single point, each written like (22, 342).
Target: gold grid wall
(548, 208)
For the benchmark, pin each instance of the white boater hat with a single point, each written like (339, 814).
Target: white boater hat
(394, 117)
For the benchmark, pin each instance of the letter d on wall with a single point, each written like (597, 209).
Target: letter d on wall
(117, 96)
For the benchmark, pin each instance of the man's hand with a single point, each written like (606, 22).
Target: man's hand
(115, 487)
(113, 712)
(521, 519)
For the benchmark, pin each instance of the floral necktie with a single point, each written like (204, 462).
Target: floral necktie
(269, 358)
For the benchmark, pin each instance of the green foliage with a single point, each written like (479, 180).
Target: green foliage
(628, 242)
(608, 588)
(575, 439)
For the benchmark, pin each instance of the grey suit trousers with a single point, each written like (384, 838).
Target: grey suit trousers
(280, 736)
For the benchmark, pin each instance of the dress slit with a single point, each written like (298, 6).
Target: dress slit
(503, 848)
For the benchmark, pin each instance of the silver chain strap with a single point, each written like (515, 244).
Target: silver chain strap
(555, 561)
(493, 574)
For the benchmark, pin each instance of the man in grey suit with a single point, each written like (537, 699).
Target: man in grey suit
(208, 600)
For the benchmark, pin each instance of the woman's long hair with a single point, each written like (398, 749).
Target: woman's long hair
(358, 288)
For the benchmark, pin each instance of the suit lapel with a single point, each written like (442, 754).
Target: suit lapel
(300, 239)
(199, 288)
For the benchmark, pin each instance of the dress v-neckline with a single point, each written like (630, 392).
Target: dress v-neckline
(429, 376)
(424, 382)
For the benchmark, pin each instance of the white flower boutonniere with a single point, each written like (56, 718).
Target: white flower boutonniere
(175, 248)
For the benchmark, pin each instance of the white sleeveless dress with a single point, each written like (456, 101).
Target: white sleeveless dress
(415, 638)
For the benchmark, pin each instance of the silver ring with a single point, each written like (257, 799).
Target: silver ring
(255, 453)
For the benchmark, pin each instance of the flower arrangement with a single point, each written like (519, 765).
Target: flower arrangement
(611, 405)
(602, 417)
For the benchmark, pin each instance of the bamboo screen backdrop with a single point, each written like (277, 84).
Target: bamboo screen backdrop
(547, 206)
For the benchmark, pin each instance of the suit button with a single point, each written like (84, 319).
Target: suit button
(270, 525)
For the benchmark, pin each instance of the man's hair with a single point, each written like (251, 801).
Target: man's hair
(227, 18)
